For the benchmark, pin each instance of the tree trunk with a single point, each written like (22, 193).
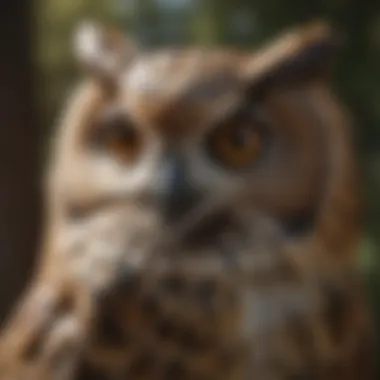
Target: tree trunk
(19, 152)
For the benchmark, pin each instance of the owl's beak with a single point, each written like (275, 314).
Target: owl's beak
(177, 197)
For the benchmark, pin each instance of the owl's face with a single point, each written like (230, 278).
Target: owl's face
(220, 133)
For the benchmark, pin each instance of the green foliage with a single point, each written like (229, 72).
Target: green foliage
(55, 23)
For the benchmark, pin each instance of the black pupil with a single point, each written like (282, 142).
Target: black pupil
(121, 129)
(114, 128)
(242, 136)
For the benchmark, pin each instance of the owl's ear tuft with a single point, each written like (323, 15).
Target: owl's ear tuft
(102, 51)
(303, 53)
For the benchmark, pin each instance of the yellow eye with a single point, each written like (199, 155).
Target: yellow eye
(237, 143)
(119, 137)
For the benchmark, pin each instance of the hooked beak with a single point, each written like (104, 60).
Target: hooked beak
(177, 197)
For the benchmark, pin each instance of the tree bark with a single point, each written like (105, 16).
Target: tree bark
(19, 152)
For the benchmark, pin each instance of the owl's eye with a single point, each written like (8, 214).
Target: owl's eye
(118, 136)
(238, 142)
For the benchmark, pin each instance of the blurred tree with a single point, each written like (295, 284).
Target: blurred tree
(19, 141)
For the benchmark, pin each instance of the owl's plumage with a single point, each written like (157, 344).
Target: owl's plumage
(202, 219)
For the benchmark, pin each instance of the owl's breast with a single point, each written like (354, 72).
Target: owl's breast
(222, 312)
(170, 326)
(201, 319)
(215, 324)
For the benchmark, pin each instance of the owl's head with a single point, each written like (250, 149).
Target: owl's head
(231, 132)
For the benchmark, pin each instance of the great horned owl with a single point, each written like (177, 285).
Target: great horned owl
(202, 216)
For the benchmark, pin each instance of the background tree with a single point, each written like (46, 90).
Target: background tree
(19, 155)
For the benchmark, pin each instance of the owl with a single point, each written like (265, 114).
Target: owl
(202, 216)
